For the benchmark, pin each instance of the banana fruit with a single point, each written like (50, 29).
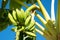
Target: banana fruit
(18, 14)
(27, 20)
(23, 15)
(14, 15)
(11, 19)
(32, 20)
(32, 28)
(32, 23)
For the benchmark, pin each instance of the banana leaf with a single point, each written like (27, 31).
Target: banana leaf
(14, 4)
(3, 26)
(4, 21)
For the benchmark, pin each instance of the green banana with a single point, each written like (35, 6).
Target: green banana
(11, 19)
(27, 20)
(30, 33)
(32, 28)
(14, 15)
(27, 13)
(31, 24)
(18, 14)
(23, 13)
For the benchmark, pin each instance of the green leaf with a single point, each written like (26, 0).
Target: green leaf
(3, 19)
(3, 26)
(14, 4)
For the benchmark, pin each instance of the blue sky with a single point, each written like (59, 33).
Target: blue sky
(7, 34)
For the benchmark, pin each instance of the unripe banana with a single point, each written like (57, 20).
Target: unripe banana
(14, 15)
(32, 21)
(18, 14)
(23, 13)
(27, 20)
(27, 13)
(11, 19)
(32, 28)
(31, 24)
(30, 33)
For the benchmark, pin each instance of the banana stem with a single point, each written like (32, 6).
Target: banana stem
(45, 13)
(21, 3)
(31, 8)
(17, 35)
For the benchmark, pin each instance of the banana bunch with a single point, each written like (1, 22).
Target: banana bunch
(17, 17)
(21, 19)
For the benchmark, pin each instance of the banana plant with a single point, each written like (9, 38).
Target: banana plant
(24, 23)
